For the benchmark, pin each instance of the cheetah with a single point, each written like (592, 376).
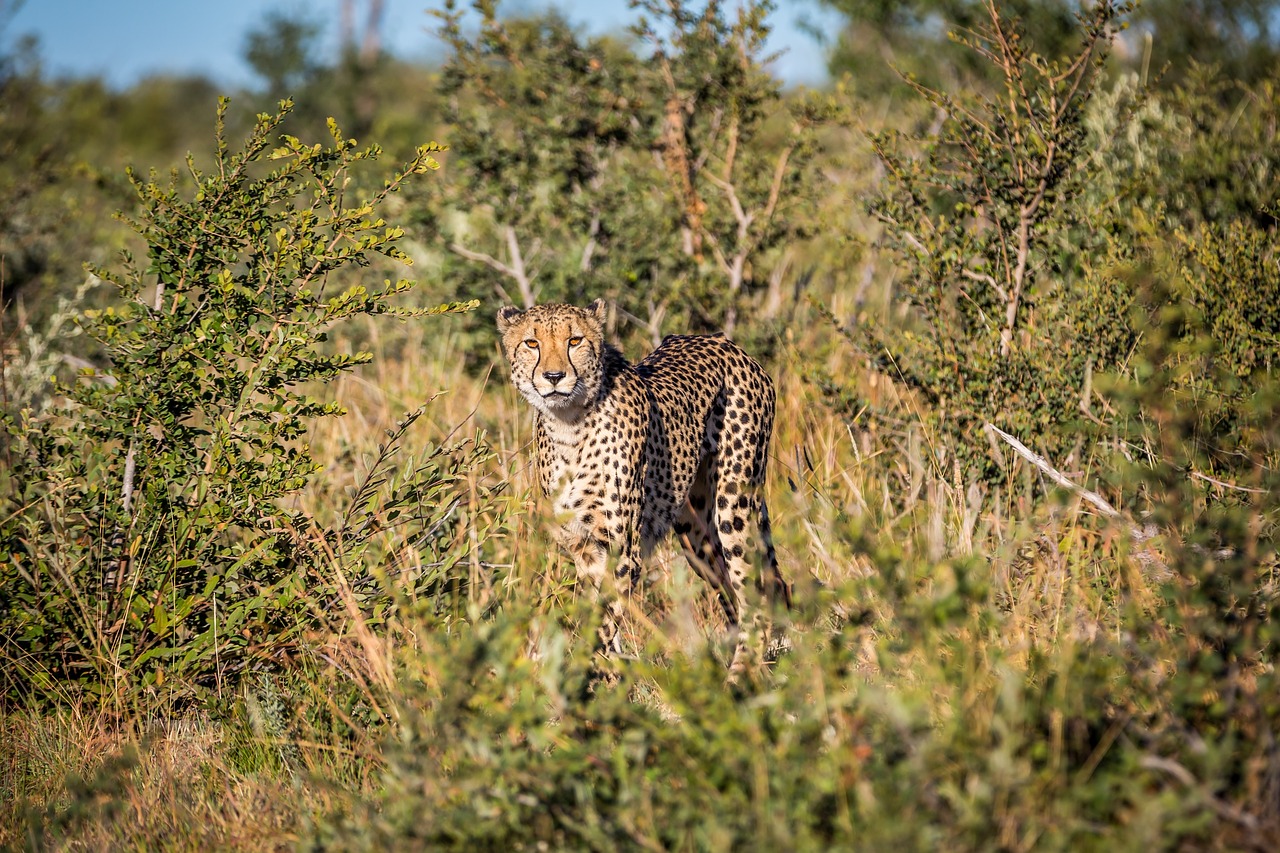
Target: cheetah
(628, 454)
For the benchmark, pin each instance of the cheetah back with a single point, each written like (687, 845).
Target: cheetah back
(701, 388)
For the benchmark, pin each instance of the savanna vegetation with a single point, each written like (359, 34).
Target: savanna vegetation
(273, 568)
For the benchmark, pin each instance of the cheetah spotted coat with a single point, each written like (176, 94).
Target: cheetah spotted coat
(629, 454)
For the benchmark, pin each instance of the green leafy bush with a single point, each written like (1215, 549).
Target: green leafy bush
(1200, 417)
(151, 532)
(675, 183)
(941, 741)
(991, 219)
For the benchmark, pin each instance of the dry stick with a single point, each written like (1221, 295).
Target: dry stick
(773, 297)
(517, 265)
(114, 579)
(1147, 557)
(1025, 221)
(736, 268)
(1053, 474)
(130, 464)
(1225, 485)
(517, 274)
(673, 155)
(1140, 534)
(1223, 809)
(653, 326)
(126, 493)
(589, 250)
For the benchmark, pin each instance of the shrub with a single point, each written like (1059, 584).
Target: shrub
(148, 539)
(673, 183)
(945, 742)
(991, 219)
(1199, 417)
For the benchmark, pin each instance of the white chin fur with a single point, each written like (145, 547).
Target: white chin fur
(555, 404)
(559, 401)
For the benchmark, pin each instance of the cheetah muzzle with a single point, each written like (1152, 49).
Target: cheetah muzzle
(629, 454)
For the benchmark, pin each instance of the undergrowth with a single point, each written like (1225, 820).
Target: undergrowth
(275, 572)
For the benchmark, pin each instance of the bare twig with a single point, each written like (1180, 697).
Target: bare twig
(1224, 810)
(740, 215)
(773, 300)
(126, 491)
(987, 280)
(779, 174)
(1053, 474)
(731, 151)
(589, 250)
(515, 271)
(517, 266)
(653, 325)
(1140, 534)
(1224, 484)
(84, 364)
(1026, 219)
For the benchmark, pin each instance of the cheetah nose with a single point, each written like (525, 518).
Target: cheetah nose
(553, 377)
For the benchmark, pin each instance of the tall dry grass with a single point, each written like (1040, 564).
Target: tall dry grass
(297, 749)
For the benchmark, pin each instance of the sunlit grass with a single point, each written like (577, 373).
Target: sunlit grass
(839, 495)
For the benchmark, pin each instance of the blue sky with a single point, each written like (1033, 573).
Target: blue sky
(123, 40)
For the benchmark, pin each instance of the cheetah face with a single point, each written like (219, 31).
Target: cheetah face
(555, 355)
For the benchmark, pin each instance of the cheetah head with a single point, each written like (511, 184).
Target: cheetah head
(555, 353)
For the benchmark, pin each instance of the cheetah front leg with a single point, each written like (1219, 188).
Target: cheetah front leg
(591, 559)
(584, 535)
(603, 516)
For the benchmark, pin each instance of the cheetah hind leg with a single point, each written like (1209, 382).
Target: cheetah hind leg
(733, 506)
(707, 559)
(772, 583)
(698, 537)
(701, 543)
(758, 642)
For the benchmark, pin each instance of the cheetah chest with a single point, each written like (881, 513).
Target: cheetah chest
(592, 470)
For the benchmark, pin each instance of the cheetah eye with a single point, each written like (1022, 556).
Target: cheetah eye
(531, 343)
(573, 342)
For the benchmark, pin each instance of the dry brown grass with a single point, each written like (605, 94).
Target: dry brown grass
(832, 479)
(180, 790)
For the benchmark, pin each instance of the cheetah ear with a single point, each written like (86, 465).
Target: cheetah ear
(507, 317)
(599, 309)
